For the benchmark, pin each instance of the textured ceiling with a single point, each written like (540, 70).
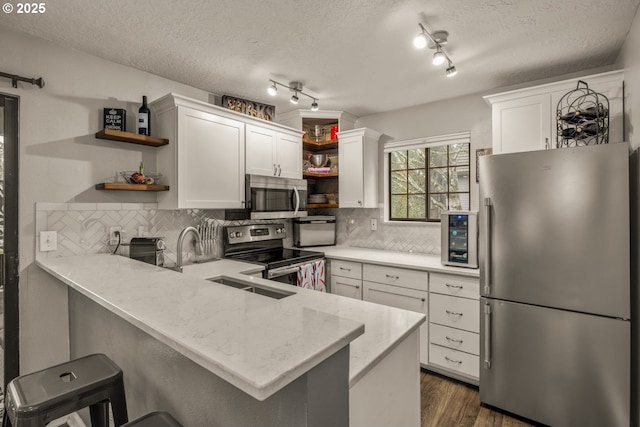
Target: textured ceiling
(353, 55)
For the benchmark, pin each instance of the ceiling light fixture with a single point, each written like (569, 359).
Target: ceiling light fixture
(272, 90)
(296, 88)
(435, 41)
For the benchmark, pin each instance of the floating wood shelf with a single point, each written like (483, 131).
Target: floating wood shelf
(121, 186)
(322, 205)
(312, 145)
(319, 175)
(133, 138)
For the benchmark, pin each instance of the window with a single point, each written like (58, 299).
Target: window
(427, 176)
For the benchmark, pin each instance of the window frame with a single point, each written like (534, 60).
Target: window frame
(423, 143)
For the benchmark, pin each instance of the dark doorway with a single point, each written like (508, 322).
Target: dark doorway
(9, 279)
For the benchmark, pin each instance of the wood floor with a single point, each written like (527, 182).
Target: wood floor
(449, 403)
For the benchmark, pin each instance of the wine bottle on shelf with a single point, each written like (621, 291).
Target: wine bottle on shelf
(144, 118)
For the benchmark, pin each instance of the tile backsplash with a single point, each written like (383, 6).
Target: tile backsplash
(83, 228)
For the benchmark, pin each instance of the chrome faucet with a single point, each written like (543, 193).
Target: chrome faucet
(197, 242)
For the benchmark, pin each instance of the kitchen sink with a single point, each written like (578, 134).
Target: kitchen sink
(250, 287)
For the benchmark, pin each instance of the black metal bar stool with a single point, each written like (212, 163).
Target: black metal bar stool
(35, 399)
(154, 419)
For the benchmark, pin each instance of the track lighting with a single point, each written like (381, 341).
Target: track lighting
(296, 88)
(435, 41)
(272, 90)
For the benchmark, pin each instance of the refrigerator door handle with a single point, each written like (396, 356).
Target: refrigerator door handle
(487, 245)
(487, 336)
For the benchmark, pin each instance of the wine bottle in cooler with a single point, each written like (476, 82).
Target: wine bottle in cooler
(144, 118)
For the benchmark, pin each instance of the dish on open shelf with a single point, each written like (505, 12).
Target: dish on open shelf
(150, 177)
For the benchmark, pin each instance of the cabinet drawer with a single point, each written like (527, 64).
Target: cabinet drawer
(413, 279)
(460, 313)
(454, 360)
(449, 284)
(346, 286)
(346, 269)
(456, 339)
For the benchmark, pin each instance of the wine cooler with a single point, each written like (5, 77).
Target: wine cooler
(460, 238)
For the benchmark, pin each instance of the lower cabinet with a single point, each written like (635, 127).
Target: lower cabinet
(345, 278)
(454, 325)
(450, 339)
(405, 298)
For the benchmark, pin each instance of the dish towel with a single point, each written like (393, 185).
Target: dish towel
(318, 276)
(311, 276)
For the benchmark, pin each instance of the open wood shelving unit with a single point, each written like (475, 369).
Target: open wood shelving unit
(131, 138)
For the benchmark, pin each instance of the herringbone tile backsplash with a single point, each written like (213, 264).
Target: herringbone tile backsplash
(84, 228)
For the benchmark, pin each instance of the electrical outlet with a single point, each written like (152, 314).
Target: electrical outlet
(374, 224)
(48, 241)
(113, 238)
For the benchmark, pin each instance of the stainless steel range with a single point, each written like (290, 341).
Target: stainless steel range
(263, 244)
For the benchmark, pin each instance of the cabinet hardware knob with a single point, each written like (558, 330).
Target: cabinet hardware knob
(389, 276)
(449, 285)
(345, 269)
(453, 340)
(454, 313)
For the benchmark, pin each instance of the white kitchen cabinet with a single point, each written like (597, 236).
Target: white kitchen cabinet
(525, 119)
(273, 152)
(205, 166)
(346, 278)
(401, 288)
(454, 325)
(358, 183)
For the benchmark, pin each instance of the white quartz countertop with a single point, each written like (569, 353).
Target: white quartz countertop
(256, 343)
(415, 261)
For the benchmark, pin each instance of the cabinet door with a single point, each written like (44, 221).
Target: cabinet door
(350, 182)
(210, 161)
(346, 287)
(261, 149)
(289, 155)
(522, 124)
(408, 299)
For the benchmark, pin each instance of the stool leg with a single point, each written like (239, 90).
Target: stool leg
(99, 414)
(119, 404)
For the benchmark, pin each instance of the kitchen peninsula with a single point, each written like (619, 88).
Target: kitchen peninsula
(214, 355)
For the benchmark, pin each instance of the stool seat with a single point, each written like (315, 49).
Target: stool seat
(154, 419)
(37, 398)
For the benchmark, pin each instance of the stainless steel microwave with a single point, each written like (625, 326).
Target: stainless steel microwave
(269, 197)
(459, 232)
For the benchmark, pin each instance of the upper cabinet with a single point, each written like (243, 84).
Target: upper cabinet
(525, 119)
(359, 182)
(273, 152)
(214, 148)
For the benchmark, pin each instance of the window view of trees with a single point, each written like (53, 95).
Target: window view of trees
(425, 181)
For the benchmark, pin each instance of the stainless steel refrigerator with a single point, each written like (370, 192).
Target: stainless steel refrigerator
(555, 285)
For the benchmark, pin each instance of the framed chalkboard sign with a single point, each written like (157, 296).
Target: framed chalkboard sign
(115, 119)
(251, 108)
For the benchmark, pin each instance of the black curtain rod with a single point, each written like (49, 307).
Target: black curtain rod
(14, 80)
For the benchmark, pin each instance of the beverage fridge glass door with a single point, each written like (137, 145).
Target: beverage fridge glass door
(557, 367)
(555, 228)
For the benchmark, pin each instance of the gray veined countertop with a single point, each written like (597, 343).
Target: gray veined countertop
(256, 343)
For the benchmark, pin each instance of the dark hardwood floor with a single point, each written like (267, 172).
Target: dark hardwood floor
(449, 403)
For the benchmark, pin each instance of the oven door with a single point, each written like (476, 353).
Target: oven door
(273, 197)
(288, 274)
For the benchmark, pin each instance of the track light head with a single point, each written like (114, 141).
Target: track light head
(314, 105)
(294, 98)
(272, 90)
(420, 41)
(439, 57)
(451, 71)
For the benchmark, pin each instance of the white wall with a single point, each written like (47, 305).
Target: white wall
(470, 113)
(60, 160)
